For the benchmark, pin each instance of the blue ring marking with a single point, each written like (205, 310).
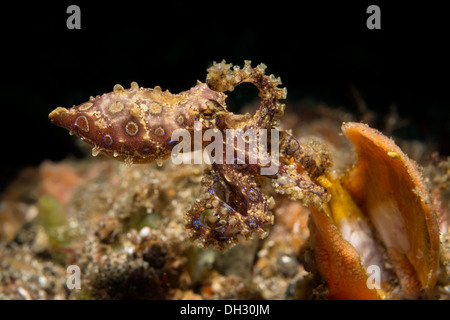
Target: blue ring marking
(309, 185)
(317, 193)
(104, 139)
(87, 123)
(197, 224)
(290, 150)
(180, 120)
(252, 224)
(133, 124)
(221, 229)
(171, 141)
(223, 238)
(253, 198)
(161, 134)
(264, 111)
(211, 191)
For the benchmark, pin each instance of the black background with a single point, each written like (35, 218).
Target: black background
(317, 48)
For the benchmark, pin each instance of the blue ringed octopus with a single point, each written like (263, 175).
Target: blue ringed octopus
(135, 125)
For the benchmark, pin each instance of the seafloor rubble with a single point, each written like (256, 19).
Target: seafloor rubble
(123, 227)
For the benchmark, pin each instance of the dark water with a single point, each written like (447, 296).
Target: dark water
(319, 50)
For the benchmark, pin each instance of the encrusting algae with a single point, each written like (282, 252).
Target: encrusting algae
(309, 230)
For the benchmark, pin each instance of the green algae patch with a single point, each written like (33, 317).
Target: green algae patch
(52, 218)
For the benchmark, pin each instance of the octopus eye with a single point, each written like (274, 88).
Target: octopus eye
(211, 106)
(207, 114)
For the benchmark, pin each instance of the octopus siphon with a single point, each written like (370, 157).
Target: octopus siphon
(138, 125)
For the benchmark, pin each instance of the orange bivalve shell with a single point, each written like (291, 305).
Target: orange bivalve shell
(389, 189)
(380, 217)
(338, 261)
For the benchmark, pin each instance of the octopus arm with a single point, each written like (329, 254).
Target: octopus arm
(221, 77)
(314, 158)
(214, 220)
